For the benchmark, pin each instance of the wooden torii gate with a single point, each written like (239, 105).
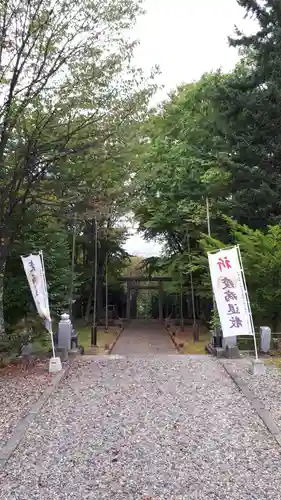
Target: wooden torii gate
(135, 283)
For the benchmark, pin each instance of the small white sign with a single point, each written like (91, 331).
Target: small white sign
(230, 293)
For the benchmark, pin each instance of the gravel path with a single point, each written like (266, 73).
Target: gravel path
(142, 337)
(164, 427)
(267, 388)
(18, 392)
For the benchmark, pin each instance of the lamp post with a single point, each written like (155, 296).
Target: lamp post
(191, 284)
(181, 307)
(70, 300)
(217, 339)
(94, 325)
(106, 291)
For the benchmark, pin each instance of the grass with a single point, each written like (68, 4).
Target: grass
(276, 361)
(197, 347)
(104, 339)
(185, 340)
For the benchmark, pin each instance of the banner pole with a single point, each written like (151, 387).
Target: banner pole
(52, 340)
(44, 276)
(247, 300)
(47, 301)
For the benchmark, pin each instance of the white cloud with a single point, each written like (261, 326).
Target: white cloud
(136, 245)
(188, 38)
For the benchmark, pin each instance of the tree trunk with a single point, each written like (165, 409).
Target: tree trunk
(91, 292)
(89, 305)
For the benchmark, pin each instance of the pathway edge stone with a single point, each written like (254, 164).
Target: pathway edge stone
(256, 403)
(115, 341)
(172, 338)
(9, 448)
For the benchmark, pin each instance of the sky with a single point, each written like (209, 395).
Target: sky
(186, 38)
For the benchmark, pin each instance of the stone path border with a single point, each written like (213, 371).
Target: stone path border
(256, 403)
(22, 426)
(172, 338)
(115, 340)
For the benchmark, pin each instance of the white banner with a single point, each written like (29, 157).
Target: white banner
(230, 294)
(34, 269)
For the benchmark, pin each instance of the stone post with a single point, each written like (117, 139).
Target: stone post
(230, 349)
(64, 332)
(265, 333)
(217, 338)
(229, 342)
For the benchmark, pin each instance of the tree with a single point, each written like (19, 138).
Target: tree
(249, 105)
(181, 162)
(67, 89)
(134, 266)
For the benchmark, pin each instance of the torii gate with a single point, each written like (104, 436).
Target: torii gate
(134, 283)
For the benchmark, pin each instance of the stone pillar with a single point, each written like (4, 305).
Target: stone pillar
(64, 332)
(230, 349)
(229, 342)
(265, 333)
(217, 338)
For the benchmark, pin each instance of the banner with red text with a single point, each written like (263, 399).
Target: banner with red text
(230, 293)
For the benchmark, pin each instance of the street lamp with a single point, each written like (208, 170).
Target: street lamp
(106, 290)
(90, 216)
(191, 285)
(70, 300)
(181, 307)
(106, 272)
(94, 325)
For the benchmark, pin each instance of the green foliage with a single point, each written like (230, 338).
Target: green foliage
(24, 332)
(215, 320)
(71, 101)
(249, 105)
(181, 163)
(144, 303)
